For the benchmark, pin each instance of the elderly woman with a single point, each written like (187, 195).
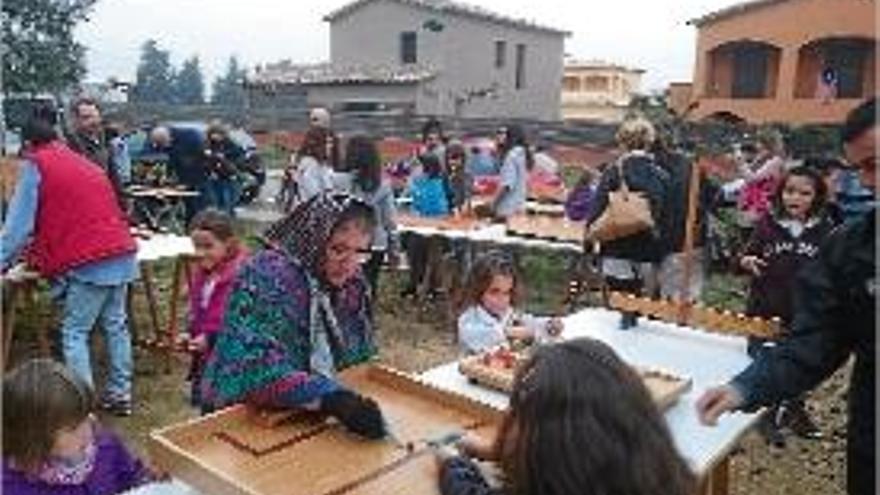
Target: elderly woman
(299, 311)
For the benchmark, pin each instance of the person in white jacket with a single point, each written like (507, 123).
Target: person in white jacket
(489, 317)
(315, 163)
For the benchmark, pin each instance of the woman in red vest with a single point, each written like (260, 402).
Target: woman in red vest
(64, 209)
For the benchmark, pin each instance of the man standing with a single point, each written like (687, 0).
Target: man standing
(64, 210)
(87, 138)
(835, 304)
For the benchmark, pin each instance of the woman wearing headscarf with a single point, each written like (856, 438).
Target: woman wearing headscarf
(298, 312)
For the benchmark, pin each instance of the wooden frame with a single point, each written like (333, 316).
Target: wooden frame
(697, 316)
(665, 387)
(232, 452)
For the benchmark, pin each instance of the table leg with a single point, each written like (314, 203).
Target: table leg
(9, 310)
(717, 481)
(43, 327)
(152, 307)
(180, 264)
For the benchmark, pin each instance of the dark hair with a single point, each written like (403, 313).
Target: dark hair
(40, 398)
(818, 185)
(216, 128)
(315, 145)
(431, 165)
(515, 135)
(39, 128)
(563, 434)
(362, 158)
(432, 126)
(455, 149)
(860, 120)
(214, 221)
(484, 270)
(823, 164)
(83, 100)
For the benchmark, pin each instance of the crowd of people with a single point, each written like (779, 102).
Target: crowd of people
(272, 327)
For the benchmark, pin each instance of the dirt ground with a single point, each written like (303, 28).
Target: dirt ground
(415, 337)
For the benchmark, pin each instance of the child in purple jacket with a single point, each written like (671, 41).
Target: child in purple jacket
(52, 444)
(220, 255)
(784, 241)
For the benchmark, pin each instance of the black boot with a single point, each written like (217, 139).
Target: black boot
(794, 415)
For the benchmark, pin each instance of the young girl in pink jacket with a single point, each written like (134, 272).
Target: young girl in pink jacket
(220, 255)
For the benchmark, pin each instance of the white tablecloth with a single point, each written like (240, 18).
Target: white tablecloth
(707, 359)
(164, 246)
(494, 234)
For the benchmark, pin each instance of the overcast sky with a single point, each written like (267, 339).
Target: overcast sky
(649, 34)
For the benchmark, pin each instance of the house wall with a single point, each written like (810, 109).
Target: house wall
(788, 25)
(464, 55)
(333, 96)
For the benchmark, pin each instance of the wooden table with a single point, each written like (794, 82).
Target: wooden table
(163, 246)
(708, 359)
(18, 281)
(160, 207)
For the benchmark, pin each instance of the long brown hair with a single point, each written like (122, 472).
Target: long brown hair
(481, 274)
(315, 145)
(40, 398)
(581, 422)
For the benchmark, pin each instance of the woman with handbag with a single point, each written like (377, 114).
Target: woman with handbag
(628, 222)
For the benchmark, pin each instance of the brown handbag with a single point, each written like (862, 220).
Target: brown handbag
(627, 213)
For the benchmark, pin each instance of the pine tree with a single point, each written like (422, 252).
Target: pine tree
(189, 86)
(38, 49)
(155, 76)
(228, 89)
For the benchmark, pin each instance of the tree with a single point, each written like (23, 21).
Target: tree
(189, 85)
(228, 89)
(39, 52)
(154, 82)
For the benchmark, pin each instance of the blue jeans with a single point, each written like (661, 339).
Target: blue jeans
(84, 305)
(223, 195)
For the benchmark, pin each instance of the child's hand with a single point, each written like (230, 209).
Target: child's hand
(518, 332)
(443, 453)
(478, 448)
(753, 264)
(555, 327)
(198, 344)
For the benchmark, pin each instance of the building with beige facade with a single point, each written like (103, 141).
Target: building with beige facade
(598, 91)
(792, 61)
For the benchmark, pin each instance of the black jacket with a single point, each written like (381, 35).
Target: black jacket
(642, 175)
(771, 293)
(98, 152)
(679, 169)
(835, 303)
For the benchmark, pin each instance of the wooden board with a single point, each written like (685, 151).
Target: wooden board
(463, 222)
(665, 387)
(548, 227)
(233, 453)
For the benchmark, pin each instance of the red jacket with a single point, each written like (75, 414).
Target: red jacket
(78, 219)
(208, 319)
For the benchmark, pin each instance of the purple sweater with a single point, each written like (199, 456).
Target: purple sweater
(116, 470)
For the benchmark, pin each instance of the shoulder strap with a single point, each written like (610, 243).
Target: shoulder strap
(620, 173)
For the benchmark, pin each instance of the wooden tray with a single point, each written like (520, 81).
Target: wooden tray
(233, 453)
(547, 227)
(665, 387)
